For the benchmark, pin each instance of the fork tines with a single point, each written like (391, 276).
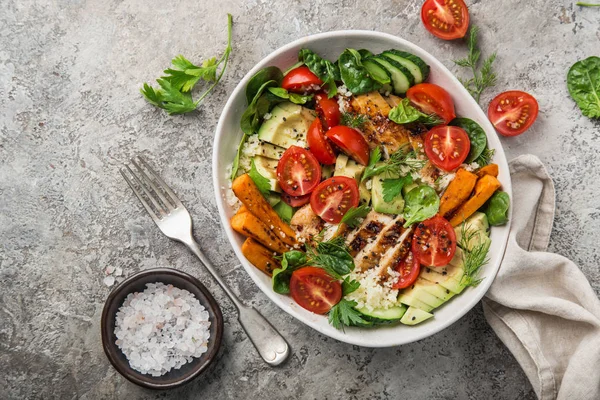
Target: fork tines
(158, 199)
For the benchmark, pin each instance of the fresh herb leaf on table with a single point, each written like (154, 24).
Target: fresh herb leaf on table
(485, 77)
(355, 215)
(580, 4)
(327, 71)
(344, 314)
(393, 187)
(405, 113)
(399, 160)
(583, 81)
(421, 203)
(174, 93)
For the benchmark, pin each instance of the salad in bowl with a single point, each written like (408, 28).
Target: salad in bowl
(359, 191)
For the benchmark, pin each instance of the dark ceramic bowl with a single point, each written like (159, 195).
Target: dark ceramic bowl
(137, 283)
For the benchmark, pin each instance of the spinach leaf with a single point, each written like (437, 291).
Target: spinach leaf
(476, 136)
(324, 69)
(293, 97)
(583, 81)
(290, 261)
(393, 187)
(236, 161)
(421, 203)
(496, 208)
(253, 115)
(285, 211)
(405, 113)
(263, 184)
(354, 74)
(334, 259)
(263, 76)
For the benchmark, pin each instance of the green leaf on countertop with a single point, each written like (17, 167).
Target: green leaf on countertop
(583, 81)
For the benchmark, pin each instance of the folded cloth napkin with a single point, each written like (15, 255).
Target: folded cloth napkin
(540, 305)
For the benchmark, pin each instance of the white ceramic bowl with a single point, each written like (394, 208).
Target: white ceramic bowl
(330, 45)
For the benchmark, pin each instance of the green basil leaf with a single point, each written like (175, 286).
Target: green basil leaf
(583, 81)
(420, 204)
(496, 208)
(354, 74)
(476, 136)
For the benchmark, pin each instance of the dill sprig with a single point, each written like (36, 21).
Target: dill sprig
(485, 157)
(475, 257)
(353, 120)
(482, 79)
(401, 162)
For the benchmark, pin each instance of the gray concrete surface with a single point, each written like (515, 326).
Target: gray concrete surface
(70, 114)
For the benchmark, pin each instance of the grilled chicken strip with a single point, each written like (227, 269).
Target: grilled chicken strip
(395, 254)
(369, 255)
(372, 226)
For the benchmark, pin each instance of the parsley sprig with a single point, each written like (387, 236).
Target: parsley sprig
(174, 94)
(345, 314)
(399, 160)
(485, 77)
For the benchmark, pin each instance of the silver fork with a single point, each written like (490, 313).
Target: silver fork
(175, 222)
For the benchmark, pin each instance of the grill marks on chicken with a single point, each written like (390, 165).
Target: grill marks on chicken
(367, 232)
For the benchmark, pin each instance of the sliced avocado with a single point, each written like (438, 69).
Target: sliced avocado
(414, 316)
(402, 79)
(351, 169)
(268, 150)
(396, 206)
(449, 277)
(340, 162)
(417, 67)
(266, 167)
(476, 228)
(287, 126)
(414, 302)
(378, 73)
(327, 171)
(418, 292)
(273, 199)
(390, 315)
(435, 289)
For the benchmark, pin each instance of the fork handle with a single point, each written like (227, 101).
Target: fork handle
(271, 346)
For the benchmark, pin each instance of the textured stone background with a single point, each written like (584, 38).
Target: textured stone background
(70, 114)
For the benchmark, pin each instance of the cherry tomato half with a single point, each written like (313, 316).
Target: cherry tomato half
(351, 142)
(318, 144)
(313, 289)
(295, 201)
(328, 110)
(432, 99)
(334, 197)
(446, 19)
(409, 269)
(447, 146)
(298, 171)
(513, 112)
(300, 80)
(434, 242)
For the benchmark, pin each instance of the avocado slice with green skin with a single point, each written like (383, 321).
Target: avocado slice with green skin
(418, 68)
(449, 277)
(476, 228)
(381, 316)
(419, 292)
(414, 316)
(287, 126)
(396, 206)
(266, 167)
(412, 301)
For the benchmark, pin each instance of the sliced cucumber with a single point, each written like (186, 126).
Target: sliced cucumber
(390, 315)
(417, 67)
(377, 72)
(402, 79)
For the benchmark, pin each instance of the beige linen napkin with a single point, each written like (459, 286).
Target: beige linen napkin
(540, 304)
